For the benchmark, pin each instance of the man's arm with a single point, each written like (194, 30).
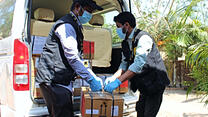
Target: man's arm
(144, 47)
(122, 68)
(127, 75)
(67, 36)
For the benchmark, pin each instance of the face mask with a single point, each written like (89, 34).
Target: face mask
(86, 16)
(120, 33)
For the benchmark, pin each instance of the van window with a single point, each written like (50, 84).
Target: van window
(6, 16)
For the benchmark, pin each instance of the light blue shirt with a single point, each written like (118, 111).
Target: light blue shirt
(143, 48)
(67, 36)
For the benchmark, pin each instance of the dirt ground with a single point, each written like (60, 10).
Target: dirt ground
(177, 104)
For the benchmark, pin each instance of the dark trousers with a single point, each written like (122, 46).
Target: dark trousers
(148, 106)
(58, 100)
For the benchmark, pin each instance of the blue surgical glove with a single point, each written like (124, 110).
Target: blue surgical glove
(95, 84)
(100, 80)
(112, 86)
(109, 80)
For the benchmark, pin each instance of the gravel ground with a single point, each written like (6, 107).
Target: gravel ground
(177, 104)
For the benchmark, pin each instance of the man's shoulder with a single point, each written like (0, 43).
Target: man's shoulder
(140, 33)
(65, 18)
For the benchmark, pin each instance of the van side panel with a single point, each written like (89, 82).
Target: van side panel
(13, 103)
(6, 74)
(19, 21)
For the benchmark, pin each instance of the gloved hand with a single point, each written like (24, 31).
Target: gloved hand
(100, 80)
(95, 84)
(112, 86)
(109, 80)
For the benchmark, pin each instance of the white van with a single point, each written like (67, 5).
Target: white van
(24, 25)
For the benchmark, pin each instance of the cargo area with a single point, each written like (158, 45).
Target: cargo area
(98, 54)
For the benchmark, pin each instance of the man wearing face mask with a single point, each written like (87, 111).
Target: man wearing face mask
(61, 61)
(141, 64)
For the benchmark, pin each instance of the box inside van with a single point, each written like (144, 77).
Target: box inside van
(24, 27)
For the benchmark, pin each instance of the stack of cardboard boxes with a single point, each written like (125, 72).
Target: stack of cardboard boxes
(123, 88)
(38, 43)
(35, 87)
(101, 104)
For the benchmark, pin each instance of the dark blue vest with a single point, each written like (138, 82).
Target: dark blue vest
(153, 77)
(53, 66)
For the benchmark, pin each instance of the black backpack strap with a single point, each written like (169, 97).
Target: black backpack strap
(134, 44)
(126, 50)
(91, 95)
(136, 32)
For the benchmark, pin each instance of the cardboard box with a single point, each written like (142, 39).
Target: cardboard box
(123, 88)
(37, 93)
(101, 104)
(34, 64)
(88, 49)
(77, 92)
(36, 89)
(33, 70)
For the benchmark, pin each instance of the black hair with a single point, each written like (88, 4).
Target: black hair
(125, 17)
(83, 4)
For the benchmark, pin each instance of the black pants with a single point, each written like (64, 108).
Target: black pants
(58, 100)
(148, 106)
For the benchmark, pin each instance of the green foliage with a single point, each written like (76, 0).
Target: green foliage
(197, 59)
(176, 28)
(200, 85)
(182, 34)
(6, 14)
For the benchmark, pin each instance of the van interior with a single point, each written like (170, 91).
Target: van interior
(44, 13)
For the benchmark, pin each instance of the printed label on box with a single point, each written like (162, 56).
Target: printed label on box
(115, 110)
(95, 111)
